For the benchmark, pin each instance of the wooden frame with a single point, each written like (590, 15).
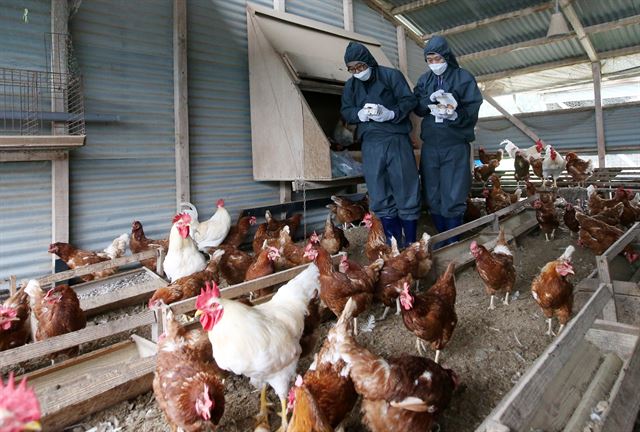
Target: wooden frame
(181, 102)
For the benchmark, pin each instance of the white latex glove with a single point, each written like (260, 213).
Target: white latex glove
(385, 115)
(436, 94)
(363, 115)
(451, 117)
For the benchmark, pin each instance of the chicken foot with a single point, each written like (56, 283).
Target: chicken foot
(549, 332)
(491, 305)
(385, 313)
(506, 299)
(283, 414)
(422, 349)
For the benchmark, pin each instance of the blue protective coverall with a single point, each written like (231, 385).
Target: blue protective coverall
(389, 164)
(444, 161)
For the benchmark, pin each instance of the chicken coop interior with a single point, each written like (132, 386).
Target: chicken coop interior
(187, 240)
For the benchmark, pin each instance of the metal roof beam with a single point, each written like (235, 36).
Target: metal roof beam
(491, 20)
(635, 19)
(414, 6)
(634, 49)
(572, 16)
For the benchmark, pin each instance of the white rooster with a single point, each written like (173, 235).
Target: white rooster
(183, 257)
(261, 342)
(117, 248)
(212, 232)
(552, 165)
(535, 151)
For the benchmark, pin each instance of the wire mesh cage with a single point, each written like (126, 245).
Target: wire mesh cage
(34, 102)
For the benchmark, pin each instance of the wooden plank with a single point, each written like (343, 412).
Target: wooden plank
(12, 285)
(619, 287)
(181, 101)
(624, 401)
(237, 290)
(520, 403)
(596, 70)
(491, 20)
(347, 14)
(597, 391)
(505, 49)
(564, 392)
(91, 333)
(41, 142)
(622, 242)
(57, 277)
(609, 340)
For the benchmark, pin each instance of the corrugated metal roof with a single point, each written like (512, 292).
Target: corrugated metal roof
(25, 219)
(325, 11)
(372, 23)
(126, 169)
(618, 38)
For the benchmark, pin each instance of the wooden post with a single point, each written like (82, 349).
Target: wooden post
(160, 261)
(402, 51)
(181, 101)
(516, 122)
(12, 285)
(609, 311)
(279, 5)
(347, 13)
(59, 167)
(597, 92)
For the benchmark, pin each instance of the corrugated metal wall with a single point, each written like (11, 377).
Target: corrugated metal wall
(25, 219)
(325, 11)
(219, 110)
(25, 187)
(566, 129)
(371, 23)
(127, 168)
(22, 44)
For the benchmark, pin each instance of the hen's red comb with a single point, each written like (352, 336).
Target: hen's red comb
(220, 203)
(210, 291)
(184, 216)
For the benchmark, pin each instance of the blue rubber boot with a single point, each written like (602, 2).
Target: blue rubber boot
(451, 223)
(410, 228)
(392, 227)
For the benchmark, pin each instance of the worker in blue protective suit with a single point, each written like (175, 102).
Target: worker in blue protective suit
(446, 133)
(389, 164)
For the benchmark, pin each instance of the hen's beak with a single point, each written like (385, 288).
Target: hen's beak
(32, 426)
(198, 313)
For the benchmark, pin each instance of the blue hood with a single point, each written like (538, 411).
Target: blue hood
(357, 52)
(439, 45)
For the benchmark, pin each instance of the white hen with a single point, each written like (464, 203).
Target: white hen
(212, 232)
(183, 257)
(535, 151)
(261, 342)
(552, 165)
(117, 248)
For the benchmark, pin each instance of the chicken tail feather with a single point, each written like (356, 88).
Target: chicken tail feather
(566, 256)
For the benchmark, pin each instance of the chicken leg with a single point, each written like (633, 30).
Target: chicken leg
(355, 326)
(437, 356)
(397, 305)
(560, 329)
(283, 414)
(384, 314)
(549, 332)
(262, 418)
(491, 305)
(506, 299)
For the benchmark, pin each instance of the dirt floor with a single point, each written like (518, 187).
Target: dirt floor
(489, 350)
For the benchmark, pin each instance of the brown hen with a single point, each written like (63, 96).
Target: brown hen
(495, 268)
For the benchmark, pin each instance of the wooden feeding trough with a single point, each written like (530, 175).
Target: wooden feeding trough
(71, 390)
(589, 373)
(296, 92)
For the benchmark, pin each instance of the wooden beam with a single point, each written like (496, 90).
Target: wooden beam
(545, 41)
(403, 64)
(634, 49)
(629, 236)
(572, 16)
(279, 5)
(91, 333)
(491, 20)
(596, 69)
(347, 14)
(516, 121)
(181, 102)
(414, 6)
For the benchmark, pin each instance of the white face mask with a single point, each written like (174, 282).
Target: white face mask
(438, 68)
(364, 75)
